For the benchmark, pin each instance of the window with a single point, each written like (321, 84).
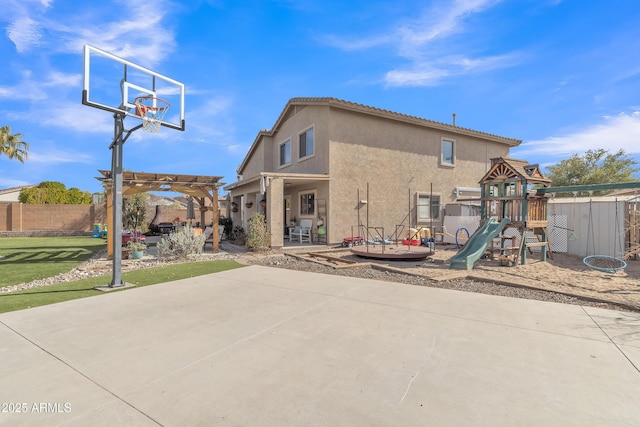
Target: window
(306, 143)
(448, 153)
(307, 204)
(428, 207)
(285, 153)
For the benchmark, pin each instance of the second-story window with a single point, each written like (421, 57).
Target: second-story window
(306, 147)
(285, 153)
(448, 152)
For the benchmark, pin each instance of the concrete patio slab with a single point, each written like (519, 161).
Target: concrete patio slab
(262, 346)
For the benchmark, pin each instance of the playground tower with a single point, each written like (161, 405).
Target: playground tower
(508, 190)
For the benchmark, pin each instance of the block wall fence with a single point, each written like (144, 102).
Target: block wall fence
(19, 219)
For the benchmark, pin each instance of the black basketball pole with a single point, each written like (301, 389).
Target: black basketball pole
(116, 193)
(116, 202)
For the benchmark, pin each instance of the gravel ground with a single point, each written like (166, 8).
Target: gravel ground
(99, 266)
(368, 272)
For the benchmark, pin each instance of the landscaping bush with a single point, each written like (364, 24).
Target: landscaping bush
(258, 237)
(180, 244)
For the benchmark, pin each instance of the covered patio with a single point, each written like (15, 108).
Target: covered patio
(285, 200)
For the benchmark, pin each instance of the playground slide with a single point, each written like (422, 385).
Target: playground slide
(477, 244)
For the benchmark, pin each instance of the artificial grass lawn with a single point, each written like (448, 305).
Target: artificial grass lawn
(25, 259)
(44, 295)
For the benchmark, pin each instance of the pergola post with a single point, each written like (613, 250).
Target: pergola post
(216, 218)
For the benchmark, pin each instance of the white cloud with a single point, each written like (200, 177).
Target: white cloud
(440, 22)
(56, 156)
(621, 132)
(32, 90)
(424, 77)
(10, 183)
(129, 29)
(420, 42)
(430, 74)
(24, 90)
(25, 33)
(77, 117)
(236, 149)
(58, 79)
(358, 44)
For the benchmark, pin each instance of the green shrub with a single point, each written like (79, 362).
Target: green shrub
(180, 244)
(258, 237)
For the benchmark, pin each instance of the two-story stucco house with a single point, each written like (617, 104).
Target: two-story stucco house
(321, 154)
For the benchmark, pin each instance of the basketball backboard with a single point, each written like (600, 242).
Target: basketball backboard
(113, 84)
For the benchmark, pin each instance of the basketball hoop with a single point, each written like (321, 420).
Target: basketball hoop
(151, 110)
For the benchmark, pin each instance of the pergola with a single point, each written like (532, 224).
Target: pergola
(202, 188)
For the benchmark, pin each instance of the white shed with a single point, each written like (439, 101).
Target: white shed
(594, 226)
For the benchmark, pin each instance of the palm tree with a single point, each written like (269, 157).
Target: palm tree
(11, 146)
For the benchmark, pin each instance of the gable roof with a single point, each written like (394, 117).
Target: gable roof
(12, 194)
(301, 102)
(514, 169)
(17, 189)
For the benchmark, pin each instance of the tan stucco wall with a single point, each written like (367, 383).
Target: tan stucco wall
(311, 116)
(397, 160)
(256, 162)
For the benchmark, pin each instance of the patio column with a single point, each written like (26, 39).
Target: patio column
(275, 211)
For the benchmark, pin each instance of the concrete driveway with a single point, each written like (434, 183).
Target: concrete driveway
(261, 346)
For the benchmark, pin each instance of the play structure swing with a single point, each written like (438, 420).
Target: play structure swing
(571, 235)
(608, 264)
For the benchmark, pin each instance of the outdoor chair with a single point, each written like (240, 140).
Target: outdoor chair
(302, 232)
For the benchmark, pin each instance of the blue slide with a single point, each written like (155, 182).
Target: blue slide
(477, 244)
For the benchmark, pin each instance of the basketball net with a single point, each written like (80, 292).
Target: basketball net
(151, 110)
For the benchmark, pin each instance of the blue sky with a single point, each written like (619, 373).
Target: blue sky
(561, 75)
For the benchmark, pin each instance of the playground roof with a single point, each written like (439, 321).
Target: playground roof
(510, 169)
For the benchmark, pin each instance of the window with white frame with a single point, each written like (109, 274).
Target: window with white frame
(308, 203)
(306, 143)
(285, 153)
(448, 152)
(428, 207)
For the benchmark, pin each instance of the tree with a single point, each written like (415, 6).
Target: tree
(11, 145)
(75, 196)
(135, 210)
(593, 167)
(54, 193)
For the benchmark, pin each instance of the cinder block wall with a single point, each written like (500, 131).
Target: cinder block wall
(19, 217)
(4, 216)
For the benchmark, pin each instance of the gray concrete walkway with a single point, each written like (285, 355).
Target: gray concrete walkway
(260, 346)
